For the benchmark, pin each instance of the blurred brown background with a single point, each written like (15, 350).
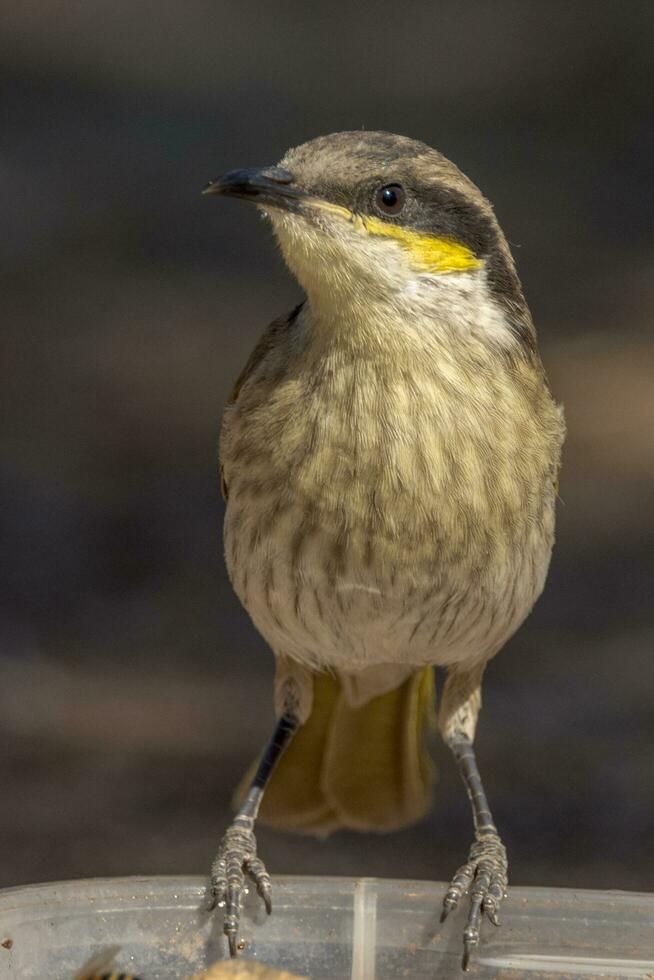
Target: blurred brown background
(134, 689)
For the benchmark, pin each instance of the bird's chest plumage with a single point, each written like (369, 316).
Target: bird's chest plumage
(380, 510)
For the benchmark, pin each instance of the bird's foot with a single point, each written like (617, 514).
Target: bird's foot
(237, 856)
(485, 876)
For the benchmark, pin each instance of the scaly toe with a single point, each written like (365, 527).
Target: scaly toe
(460, 884)
(216, 893)
(237, 856)
(484, 878)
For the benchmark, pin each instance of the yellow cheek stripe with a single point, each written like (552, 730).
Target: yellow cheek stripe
(428, 253)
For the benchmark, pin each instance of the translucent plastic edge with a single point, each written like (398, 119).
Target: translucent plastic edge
(193, 886)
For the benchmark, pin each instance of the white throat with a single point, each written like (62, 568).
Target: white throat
(365, 289)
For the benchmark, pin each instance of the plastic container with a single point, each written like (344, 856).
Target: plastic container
(336, 928)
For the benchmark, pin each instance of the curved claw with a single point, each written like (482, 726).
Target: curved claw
(490, 907)
(257, 871)
(493, 917)
(450, 903)
(265, 893)
(494, 896)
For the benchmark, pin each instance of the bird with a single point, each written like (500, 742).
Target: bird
(389, 459)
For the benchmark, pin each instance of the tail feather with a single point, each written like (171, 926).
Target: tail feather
(364, 768)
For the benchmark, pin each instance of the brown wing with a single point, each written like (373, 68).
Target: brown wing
(268, 340)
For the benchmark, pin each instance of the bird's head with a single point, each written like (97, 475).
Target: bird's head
(370, 218)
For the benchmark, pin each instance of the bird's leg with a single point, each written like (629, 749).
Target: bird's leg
(484, 874)
(237, 854)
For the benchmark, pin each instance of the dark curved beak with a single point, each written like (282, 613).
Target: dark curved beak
(268, 186)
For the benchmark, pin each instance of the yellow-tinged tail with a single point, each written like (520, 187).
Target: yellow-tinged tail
(364, 768)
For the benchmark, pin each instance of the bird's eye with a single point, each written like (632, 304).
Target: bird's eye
(390, 199)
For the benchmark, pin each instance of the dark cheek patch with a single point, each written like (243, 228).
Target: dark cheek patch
(452, 215)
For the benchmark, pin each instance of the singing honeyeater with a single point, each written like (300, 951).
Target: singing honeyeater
(389, 458)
